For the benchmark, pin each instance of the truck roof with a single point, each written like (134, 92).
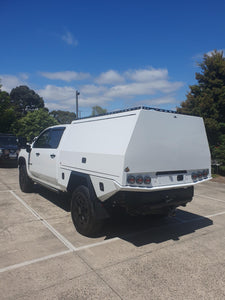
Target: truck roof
(128, 110)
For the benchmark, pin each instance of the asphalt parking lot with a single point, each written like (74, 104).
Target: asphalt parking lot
(43, 257)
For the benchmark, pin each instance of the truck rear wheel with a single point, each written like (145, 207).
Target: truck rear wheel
(26, 184)
(83, 213)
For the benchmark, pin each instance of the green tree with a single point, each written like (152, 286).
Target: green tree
(207, 99)
(63, 117)
(98, 110)
(8, 115)
(33, 123)
(24, 99)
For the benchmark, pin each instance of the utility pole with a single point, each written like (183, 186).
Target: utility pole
(77, 94)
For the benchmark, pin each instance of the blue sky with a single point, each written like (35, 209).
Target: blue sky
(118, 54)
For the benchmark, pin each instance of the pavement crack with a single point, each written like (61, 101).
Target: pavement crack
(95, 271)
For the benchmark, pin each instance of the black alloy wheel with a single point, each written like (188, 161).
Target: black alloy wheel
(83, 213)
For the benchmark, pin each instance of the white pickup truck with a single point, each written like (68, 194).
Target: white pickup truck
(144, 160)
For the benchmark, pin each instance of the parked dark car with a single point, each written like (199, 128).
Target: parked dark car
(9, 148)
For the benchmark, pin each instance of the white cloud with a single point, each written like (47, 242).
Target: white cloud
(57, 106)
(147, 75)
(133, 85)
(109, 77)
(23, 76)
(69, 39)
(139, 82)
(55, 97)
(92, 89)
(131, 89)
(64, 97)
(143, 88)
(65, 75)
(110, 89)
(9, 82)
(52, 92)
(159, 101)
(94, 100)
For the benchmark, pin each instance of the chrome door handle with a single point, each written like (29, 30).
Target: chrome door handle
(52, 155)
(37, 154)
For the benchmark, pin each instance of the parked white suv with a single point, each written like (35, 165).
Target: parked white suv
(144, 160)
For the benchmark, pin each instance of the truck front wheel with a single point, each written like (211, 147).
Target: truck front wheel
(83, 212)
(26, 184)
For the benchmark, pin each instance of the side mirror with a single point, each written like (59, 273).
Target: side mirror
(28, 148)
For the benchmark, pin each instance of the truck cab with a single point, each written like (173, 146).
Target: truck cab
(44, 155)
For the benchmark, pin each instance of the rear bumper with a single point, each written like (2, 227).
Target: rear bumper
(151, 202)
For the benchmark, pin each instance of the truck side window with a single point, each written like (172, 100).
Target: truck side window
(56, 135)
(43, 140)
(49, 138)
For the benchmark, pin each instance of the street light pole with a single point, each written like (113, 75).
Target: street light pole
(77, 94)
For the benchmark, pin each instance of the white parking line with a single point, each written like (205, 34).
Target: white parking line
(215, 215)
(199, 218)
(30, 262)
(203, 196)
(43, 221)
(33, 261)
(98, 243)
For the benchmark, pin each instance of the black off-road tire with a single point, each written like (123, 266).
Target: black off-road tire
(26, 184)
(83, 212)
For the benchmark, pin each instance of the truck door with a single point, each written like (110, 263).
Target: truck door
(44, 155)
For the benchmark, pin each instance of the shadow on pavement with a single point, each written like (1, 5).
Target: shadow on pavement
(138, 230)
(59, 199)
(144, 230)
(152, 229)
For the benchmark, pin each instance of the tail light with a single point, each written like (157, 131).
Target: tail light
(199, 175)
(139, 180)
(205, 173)
(147, 180)
(194, 176)
(131, 179)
